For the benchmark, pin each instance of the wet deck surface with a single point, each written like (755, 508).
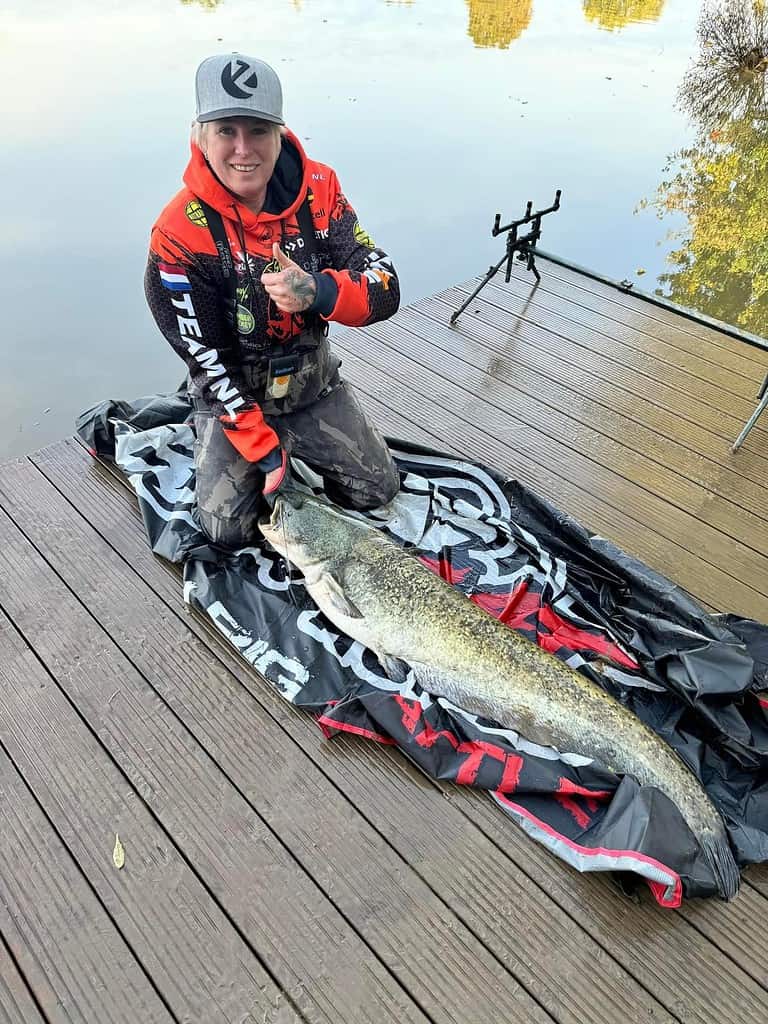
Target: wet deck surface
(273, 875)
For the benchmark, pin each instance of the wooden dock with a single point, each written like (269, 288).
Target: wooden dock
(272, 875)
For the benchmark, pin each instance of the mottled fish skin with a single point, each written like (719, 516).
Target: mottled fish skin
(384, 597)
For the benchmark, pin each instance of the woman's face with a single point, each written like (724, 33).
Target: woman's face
(242, 152)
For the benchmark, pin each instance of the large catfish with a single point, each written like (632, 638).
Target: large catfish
(383, 596)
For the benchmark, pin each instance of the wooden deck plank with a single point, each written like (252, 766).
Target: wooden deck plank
(664, 384)
(320, 826)
(531, 447)
(155, 899)
(492, 899)
(639, 431)
(381, 394)
(624, 531)
(478, 392)
(16, 1003)
(322, 965)
(735, 534)
(562, 318)
(733, 927)
(509, 307)
(680, 341)
(665, 314)
(664, 947)
(74, 959)
(758, 878)
(680, 966)
(635, 418)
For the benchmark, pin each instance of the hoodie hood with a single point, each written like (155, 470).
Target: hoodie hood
(285, 190)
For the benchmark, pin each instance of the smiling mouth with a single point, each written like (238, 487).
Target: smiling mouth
(244, 167)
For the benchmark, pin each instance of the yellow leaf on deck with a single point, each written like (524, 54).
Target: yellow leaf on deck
(118, 854)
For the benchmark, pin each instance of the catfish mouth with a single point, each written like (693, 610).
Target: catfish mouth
(268, 520)
(271, 519)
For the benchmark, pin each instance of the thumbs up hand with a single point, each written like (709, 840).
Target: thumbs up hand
(291, 288)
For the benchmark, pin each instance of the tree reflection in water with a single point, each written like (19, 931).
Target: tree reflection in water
(615, 14)
(720, 183)
(498, 22)
(728, 78)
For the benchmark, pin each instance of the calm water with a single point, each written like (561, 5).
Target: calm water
(436, 115)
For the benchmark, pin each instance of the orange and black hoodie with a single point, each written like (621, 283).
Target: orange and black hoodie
(188, 296)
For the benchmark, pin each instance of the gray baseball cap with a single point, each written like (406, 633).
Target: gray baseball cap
(232, 85)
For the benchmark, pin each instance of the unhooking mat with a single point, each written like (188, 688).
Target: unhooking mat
(691, 676)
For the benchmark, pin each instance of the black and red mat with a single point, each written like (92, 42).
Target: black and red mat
(694, 678)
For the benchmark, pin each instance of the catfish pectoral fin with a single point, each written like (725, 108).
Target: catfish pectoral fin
(396, 669)
(534, 732)
(328, 592)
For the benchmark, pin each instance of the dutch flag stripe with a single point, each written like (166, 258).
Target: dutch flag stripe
(173, 278)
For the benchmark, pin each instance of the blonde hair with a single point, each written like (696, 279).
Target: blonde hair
(200, 130)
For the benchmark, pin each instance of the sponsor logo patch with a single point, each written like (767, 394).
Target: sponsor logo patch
(195, 213)
(238, 79)
(245, 320)
(240, 264)
(362, 237)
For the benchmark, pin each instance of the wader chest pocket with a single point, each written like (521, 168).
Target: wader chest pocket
(281, 369)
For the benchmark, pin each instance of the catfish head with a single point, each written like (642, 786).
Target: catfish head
(314, 536)
(318, 539)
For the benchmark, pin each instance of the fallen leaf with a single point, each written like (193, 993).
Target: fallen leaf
(118, 854)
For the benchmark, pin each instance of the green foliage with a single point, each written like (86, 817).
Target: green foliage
(615, 14)
(498, 22)
(208, 5)
(720, 183)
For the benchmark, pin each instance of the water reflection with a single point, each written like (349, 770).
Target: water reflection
(720, 183)
(498, 22)
(727, 80)
(615, 14)
(428, 192)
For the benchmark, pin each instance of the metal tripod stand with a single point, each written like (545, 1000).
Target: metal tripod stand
(523, 248)
(762, 405)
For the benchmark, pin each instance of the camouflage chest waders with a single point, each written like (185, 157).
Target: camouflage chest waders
(315, 414)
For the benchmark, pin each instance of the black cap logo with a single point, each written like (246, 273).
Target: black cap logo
(235, 82)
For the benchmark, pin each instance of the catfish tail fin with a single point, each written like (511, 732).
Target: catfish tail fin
(718, 854)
